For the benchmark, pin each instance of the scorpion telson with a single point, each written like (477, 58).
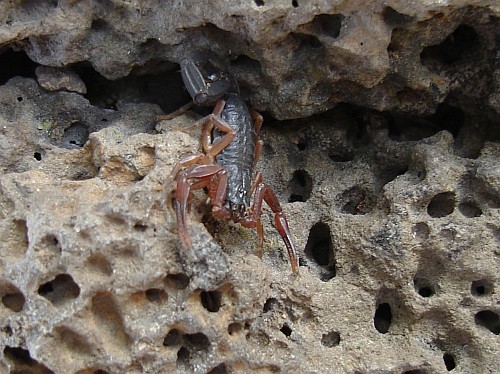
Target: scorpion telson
(231, 148)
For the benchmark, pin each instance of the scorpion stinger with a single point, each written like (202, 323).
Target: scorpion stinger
(231, 148)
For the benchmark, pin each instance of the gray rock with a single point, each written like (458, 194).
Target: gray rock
(54, 79)
(293, 59)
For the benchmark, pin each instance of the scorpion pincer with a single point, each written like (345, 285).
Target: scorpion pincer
(231, 148)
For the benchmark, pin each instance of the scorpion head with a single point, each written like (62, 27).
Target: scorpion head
(237, 211)
(206, 78)
(238, 202)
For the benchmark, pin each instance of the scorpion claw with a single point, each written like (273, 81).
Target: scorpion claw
(204, 89)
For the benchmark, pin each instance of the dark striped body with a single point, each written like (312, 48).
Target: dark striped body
(238, 157)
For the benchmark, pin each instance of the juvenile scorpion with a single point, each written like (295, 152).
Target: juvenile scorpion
(231, 149)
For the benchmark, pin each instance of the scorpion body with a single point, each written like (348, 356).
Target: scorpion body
(238, 157)
(231, 149)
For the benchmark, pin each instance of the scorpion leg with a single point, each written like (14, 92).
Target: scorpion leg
(189, 160)
(183, 109)
(195, 178)
(262, 192)
(211, 121)
(258, 120)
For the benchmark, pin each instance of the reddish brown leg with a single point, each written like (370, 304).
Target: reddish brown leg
(183, 109)
(258, 120)
(189, 160)
(264, 193)
(211, 121)
(194, 178)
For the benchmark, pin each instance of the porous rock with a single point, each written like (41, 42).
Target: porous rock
(292, 58)
(392, 197)
(56, 79)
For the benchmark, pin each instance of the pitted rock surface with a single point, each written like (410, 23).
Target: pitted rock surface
(386, 167)
(292, 58)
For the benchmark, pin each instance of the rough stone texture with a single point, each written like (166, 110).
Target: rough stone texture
(57, 79)
(393, 196)
(293, 58)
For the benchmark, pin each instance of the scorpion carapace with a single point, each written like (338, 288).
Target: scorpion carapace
(231, 148)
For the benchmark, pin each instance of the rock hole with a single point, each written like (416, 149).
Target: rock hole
(286, 330)
(319, 248)
(245, 66)
(441, 205)
(72, 343)
(144, 84)
(100, 264)
(469, 209)
(22, 363)
(157, 296)
(14, 301)
(312, 41)
(16, 244)
(14, 64)
(302, 261)
(50, 243)
(449, 361)
(37, 156)
(421, 231)
(75, 136)
(270, 304)
(173, 338)
(60, 290)
(488, 319)
(219, 369)
(391, 173)
(183, 356)
(295, 3)
(19, 354)
(100, 371)
(383, 318)
(461, 42)
(393, 18)
(140, 227)
(259, 2)
(300, 186)
(481, 287)
(109, 321)
(198, 341)
(211, 300)
(234, 327)
(302, 144)
(423, 286)
(340, 156)
(177, 281)
(99, 24)
(7, 330)
(358, 201)
(330, 339)
(329, 24)
(448, 118)
(410, 128)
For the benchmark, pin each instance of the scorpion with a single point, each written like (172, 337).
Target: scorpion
(231, 148)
